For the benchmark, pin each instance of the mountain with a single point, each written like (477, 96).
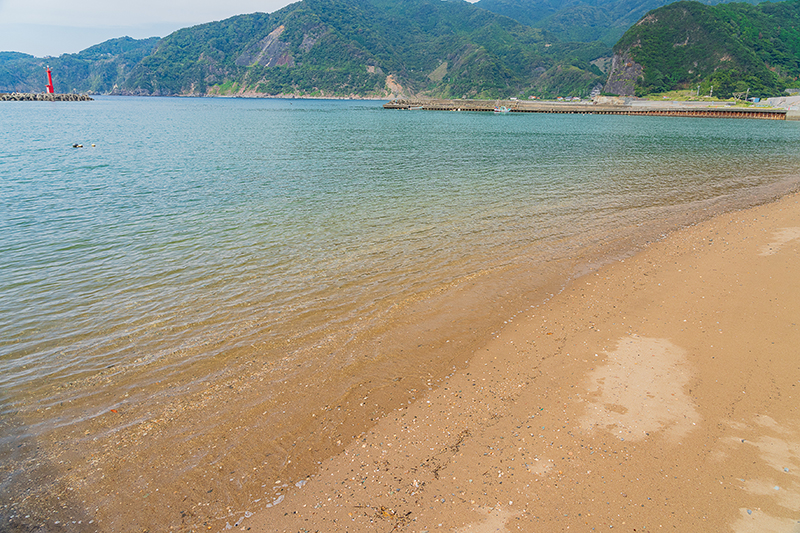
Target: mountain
(734, 48)
(373, 48)
(368, 48)
(97, 69)
(579, 20)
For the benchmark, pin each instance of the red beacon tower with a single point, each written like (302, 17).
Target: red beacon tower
(50, 89)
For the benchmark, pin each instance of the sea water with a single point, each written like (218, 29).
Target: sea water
(200, 298)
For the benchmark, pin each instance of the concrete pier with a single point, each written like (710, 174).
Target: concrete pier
(638, 108)
(43, 97)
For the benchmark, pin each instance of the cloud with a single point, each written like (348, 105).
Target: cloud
(104, 13)
(55, 27)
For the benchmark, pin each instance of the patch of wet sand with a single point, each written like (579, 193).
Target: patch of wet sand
(640, 389)
(527, 437)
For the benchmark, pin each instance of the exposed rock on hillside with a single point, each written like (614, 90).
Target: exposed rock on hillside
(268, 52)
(725, 50)
(624, 73)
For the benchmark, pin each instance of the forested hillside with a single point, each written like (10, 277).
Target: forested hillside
(734, 48)
(368, 48)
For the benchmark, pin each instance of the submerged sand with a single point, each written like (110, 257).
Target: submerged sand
(660, 392)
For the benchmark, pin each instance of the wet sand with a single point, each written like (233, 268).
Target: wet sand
(657, 393)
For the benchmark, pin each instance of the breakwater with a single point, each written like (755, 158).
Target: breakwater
(642, 108)
(43, 97)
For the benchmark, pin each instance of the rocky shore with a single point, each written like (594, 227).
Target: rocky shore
(43, 97)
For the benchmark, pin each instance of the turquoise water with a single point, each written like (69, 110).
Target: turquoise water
(206, 244)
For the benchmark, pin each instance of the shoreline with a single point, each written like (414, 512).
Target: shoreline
(258, 96)
(405, 365)
(550, 417)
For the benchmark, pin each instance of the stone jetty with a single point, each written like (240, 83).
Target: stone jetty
(43, 97)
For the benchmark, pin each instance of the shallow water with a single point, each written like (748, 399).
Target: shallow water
(219, 285)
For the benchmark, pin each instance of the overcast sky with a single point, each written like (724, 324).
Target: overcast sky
(55, 27)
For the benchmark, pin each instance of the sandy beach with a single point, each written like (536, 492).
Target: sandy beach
(657, 393)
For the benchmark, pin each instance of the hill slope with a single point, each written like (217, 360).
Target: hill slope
(732, 47)
(368, 48)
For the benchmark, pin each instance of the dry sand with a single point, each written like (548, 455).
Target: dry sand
(658, 393)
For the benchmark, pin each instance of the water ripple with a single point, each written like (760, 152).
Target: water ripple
(227, 222)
